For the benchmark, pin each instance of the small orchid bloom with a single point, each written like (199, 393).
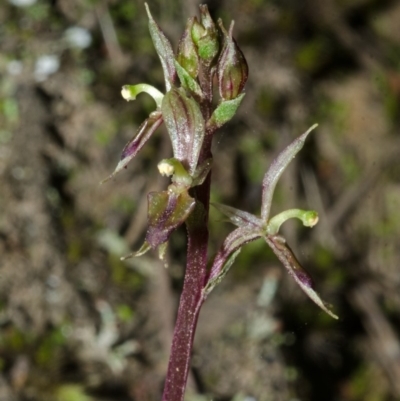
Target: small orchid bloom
(167, 210)
(252, 227)
(145, 130)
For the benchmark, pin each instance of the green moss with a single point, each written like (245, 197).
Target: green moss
(5, 136)
(291, 373)
(123, 276)
(39, 11)
(351, 168)
(252, 254)
(125, 313)
(72, 392)
(105, 134)
(15, 340)
(336, 112)
(75, 250)
(364, 386)
(125, 204)
(125, 10)
(266, 103)
(86, 76)
(9, 108)
(253, 152)
(313, 54)
(49, 347)
(389, 96)
(288, 21)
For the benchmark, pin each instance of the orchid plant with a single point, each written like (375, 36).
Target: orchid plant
(187, 108)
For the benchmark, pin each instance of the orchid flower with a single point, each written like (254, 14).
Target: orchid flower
(251, 227)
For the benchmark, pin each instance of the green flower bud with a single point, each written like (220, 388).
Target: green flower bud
(232, 69)
(198, 31)
(187, 54)
(205, 36)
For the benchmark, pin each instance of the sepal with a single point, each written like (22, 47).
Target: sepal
(216, 279)
(276, 169)
(227, 255)
(167, 210)
(143, 249)
(131, 149)
(292, 265)
(185, 125)
(238, 217)
(164, 50)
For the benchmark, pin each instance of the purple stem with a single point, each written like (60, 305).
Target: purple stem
(188, 313)
(192, 296)
(192, 293)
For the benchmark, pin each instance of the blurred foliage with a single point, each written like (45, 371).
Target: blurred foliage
(71, 392)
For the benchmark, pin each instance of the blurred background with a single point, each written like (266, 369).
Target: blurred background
(77, 324)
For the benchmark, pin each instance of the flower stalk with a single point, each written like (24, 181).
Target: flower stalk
(191, 117)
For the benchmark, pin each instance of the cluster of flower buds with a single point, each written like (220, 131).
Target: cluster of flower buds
(205, 52)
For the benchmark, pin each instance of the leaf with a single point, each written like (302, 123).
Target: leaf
(227, 254)
(167, 210)
(276, 169)
(302, 278)
(164, 50)
(185, 125)
(143, 134)
(224, 112)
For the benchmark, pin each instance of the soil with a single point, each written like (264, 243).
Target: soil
(78, 324)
